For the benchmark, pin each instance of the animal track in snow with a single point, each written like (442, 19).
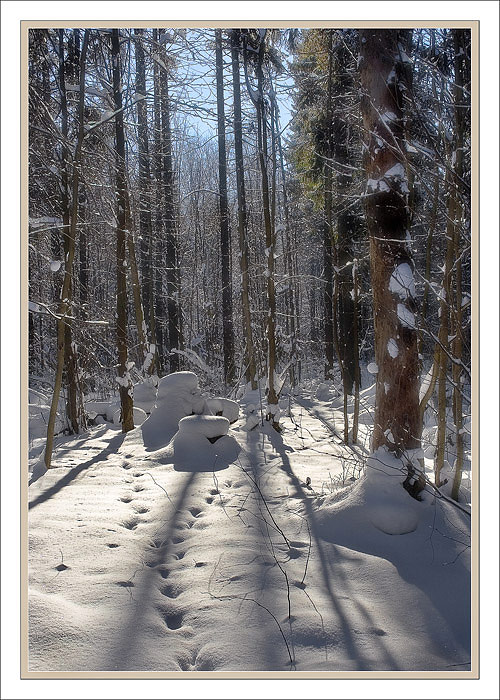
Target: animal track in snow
(177, 539)
(125, 584)
(125, 499)
(209, 499)
(169, 591)
(195, 512)
(138, 488)
(173, 620)
(112, 545)
(141, 509)
(131, 523)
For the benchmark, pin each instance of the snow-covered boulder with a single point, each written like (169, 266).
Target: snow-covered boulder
(145, 395)
(178, 396)
(139, 416)
(221, 406)
(208, 426)
(202, 443)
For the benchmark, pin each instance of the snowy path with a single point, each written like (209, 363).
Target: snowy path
(137, 564)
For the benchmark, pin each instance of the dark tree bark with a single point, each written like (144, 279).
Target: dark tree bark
(383, 70)
(158, 248)
(127, 416)
(65, 298)
(145, 199)
(225, 234)
(328, 243)
(251, 370)
(170, 227)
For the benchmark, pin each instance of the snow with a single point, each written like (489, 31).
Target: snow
(185, 558)
(402, 282)
(224, 407)
(139, 416)
(55, 265)
(178, 396)
(392, 348)
(405, 316)
(372, 368)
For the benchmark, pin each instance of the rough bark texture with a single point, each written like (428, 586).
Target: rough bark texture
(225, 234)
(145, 200)
(396, 405)
(170, 227)
(127, 417)
(65, 297)
(251, 369)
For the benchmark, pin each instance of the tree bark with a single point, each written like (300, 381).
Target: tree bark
(124, 380)
(225, 234)
(251, 370)
(64, 304)
(396, 404)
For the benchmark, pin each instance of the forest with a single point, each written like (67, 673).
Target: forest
(249, 342)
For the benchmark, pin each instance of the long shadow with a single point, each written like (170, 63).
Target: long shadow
(265, 563)
(354, 650)
(73, 473)
(155, 565)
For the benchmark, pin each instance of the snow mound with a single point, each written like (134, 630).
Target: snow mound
(202, 443)
(208, 426)
(378, 500)
(145, 395)
(139, 416)
(178, 396)
(220, 406)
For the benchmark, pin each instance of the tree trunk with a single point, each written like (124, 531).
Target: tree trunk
(251, 370)
(158, 252)
(225, 234)
(145, 200)
(170, 223)
(396, 404)
(328, 239)
(64, 304)
(124, 380)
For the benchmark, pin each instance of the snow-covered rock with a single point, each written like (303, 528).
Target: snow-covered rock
(178, 396)
(208, 426)
(221, 406)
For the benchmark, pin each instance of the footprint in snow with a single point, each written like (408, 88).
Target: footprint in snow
(195, 512)
(125, 499)
(131, 523)
(141, 509)
(209, 499)
(172, 620)
(169, 591)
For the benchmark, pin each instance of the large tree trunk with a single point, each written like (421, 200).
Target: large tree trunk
(251, 370)
(396, 405)
(65, 298)
(170, 222)
(145, 201)
(225, 235)
(124, 380)
(158, 252)
(328, 240)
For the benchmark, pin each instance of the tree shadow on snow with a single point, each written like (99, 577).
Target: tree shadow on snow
(354, 649)
(422, 560)
(73, 473)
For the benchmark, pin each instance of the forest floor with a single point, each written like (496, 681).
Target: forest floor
(269, 563)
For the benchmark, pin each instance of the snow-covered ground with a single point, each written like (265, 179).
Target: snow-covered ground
(265, 551)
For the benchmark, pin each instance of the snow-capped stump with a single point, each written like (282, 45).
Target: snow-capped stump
(139, 416)
(211, 427)
(178, 396)
(202, 442)
(221, 406)
(145, 395)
